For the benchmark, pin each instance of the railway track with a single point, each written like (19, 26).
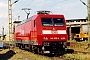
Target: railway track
(69, 58)
(76, 52)
(63, 57)
(59, 57)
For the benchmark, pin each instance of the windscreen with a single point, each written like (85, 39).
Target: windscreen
(52, 21)
(58, 21)
(46, 21)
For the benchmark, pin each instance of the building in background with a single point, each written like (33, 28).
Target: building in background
(75, 26)
(14, 24)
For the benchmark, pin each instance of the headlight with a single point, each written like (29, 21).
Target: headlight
(45, 38)
(46, 43)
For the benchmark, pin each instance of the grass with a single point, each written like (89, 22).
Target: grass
(25, 55)
(78, 56)
(79, 46)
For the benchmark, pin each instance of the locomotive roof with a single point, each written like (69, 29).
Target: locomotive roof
(16, 21)
(30, 18)
(43, 12)
(26, 20)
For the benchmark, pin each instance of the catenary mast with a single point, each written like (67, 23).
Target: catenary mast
(10, 32)
(89, 20)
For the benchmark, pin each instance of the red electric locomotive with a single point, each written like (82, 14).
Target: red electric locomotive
(42, 33)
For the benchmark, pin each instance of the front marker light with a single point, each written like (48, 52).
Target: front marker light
(45, 38)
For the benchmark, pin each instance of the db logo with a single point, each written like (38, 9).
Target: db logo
(54, 32)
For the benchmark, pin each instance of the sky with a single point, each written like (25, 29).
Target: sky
(71, 9)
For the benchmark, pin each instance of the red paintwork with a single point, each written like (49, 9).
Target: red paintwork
(27, 31)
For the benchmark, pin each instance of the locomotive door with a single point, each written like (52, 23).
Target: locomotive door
(33, 33)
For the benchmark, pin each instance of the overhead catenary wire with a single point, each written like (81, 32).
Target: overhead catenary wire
(30, 2)
(25, 6)
(47, 7)
(84, 3)
(22, 4)
(57, 3)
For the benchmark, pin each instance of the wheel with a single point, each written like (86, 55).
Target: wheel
(30, 48)
(36, 50)
(22, 46)
(17, 45)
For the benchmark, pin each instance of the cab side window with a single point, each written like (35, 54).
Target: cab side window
(34, 23)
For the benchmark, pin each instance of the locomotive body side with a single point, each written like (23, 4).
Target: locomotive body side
(24, 32)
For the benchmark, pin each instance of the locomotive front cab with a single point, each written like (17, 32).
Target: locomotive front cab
(54, 29)
(53, 34)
